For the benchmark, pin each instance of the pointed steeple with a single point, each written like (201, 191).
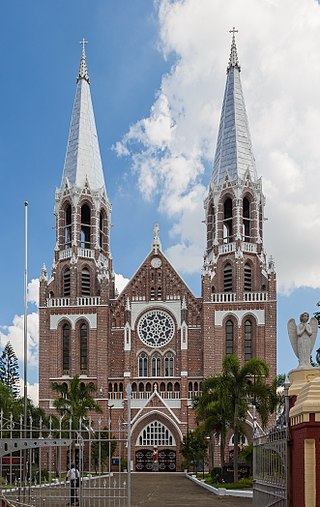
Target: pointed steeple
(83, 160)
(234, 156)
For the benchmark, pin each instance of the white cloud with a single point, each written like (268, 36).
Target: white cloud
(33, 291)
(32, 391)
(15, 333)
(120, 282)
(280, 75)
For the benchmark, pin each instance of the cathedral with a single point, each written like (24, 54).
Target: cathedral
(156, 335)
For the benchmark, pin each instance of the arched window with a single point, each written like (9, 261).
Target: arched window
(83, 347)
(85, 282)
(66, 282)
(227, 221)
(143, 365)
(66, 347)
(148, 387)
(168, 365)
(248, 340)
(85, 226)
(169, 387)
(176, 387)
(229, 337)
(246, 218)
(103, 230)
(227, 278)
(134, 387)
(141, 387)
(159, 293)
(154, 435)
(68, 227)
(155, 362)
(152, 293)
(162, 387)
(247, 277)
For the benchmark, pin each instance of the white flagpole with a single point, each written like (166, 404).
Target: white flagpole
(25, 326)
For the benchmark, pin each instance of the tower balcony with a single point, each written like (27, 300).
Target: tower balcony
(231, 297)
(80, 301)
(231, 247)
(87, 253)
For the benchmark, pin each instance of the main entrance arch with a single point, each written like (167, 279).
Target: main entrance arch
(155, 445)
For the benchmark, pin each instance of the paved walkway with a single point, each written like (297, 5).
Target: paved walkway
(175, 490)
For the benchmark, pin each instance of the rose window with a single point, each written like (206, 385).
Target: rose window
(155, 328)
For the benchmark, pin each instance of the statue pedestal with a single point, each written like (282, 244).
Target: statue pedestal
(304, 417)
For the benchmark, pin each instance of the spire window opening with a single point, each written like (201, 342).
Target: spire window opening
(246, 219)
(159, 293)
(66, 347)
(143, 365)
(85, 282)
(68, 227)
(227, 221)
(229, 337)
(227, 278)
(66, 283)
(83, 347)
(247, 278)
(248, 341)
(85, 237)
(152, 293)
(103, 232)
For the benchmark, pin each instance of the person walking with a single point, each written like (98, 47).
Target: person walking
(74, 477)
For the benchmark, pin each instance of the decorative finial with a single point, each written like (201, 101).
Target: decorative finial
(83, 70)
(44, 274)
(233, 59)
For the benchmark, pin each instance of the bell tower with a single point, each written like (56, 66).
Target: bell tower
(73, 302)
(239, 284)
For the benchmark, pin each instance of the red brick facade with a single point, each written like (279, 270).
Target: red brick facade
(87, 329)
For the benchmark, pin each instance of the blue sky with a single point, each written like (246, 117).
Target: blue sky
(157, 79)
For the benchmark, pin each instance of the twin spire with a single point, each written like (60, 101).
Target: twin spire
(83, 160)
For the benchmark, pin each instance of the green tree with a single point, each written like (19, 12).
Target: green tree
(75, 400)
(194, 447)
(245, 385)
(9, 369)
(213, 413)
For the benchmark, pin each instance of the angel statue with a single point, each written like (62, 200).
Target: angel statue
(303, 337)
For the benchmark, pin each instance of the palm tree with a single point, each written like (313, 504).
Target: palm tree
(243, 385)
(73, 404)
(75, 400)
(212, 413)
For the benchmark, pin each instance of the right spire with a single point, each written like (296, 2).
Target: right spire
(234, 156)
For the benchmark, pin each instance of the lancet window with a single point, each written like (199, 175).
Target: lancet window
(227, 221)
(85, 282)
(155, 362)
(143, 365)
(103, 231)
(168, 365)
(85, 226)
(68, 227)
(247, 277)
(66, 282)
(246, 219)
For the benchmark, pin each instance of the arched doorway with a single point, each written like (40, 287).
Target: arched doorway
(155, 448)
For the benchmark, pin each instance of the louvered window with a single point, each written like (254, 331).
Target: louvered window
(229, 337)
(85, 282)
(227, 278)
(83, 347)
(66, 282)
(247, 278)
(248, 340)
(66, 347)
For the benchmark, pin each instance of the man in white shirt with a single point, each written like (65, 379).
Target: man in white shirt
(73, 475)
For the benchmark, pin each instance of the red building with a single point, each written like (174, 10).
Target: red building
(156, 335)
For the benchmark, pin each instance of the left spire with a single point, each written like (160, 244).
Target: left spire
(83, 160)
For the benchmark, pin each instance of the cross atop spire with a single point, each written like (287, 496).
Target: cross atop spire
(83, 70)
(233, 59)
